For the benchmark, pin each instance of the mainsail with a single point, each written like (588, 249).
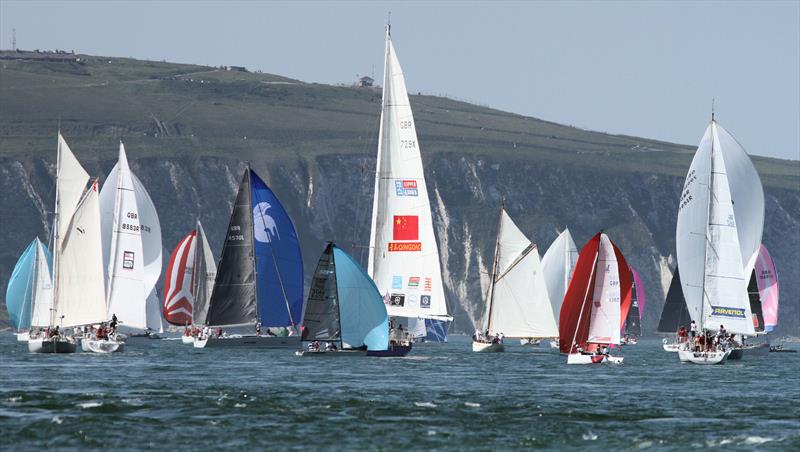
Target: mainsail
(404, 256)
(707, 239)
(344, 304)
(517, 305)
(558, 264)
(633, 319)
(596, 296)
(29, 295)
(260, 274)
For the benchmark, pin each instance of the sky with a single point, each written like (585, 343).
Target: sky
(647, 68)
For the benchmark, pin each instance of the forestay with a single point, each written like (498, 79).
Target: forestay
(404, 256)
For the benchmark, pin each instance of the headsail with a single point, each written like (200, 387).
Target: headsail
(404, 255)
(558, 264)
(42, 302)
(518, 305)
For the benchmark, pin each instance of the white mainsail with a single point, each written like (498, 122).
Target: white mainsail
(125, 288)
(518, 303)
(42, 300)
(404, 256)
(79, 289)
(604, 326)
(557, 266)
(707, 242)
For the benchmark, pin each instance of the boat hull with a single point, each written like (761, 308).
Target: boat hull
(102, 346)
(23, 336)
(749, 352)
(393, 351)
(249, 342)
(187, 340)
(487, 347)
(579, 358)
(671, 347)
(703, 358)
(51, 346)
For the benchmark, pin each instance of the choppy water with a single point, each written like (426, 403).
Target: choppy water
(162, 394)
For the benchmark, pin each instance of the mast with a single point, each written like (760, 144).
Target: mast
(494, 268)
(708, 219)
(56, 236)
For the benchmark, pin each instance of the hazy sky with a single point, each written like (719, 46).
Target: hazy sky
(641, 68)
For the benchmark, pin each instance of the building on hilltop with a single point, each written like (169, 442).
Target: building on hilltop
(364, 82)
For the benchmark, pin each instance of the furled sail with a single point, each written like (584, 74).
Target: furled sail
(558, 264)
(79, 280)
(674, 314)
(179, 282)
(709, 252)
(768, 288)
(518, 304)
(404, 256)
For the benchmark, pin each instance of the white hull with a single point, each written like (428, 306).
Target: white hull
(671, 347)
(687, 356)
(187, 340)
(249, 342)
(51, 346)
(487, 347)
(23, 336)
(102, 346)
(578, 358)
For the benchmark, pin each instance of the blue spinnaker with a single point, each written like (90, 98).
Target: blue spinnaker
(279, 264)
(361, 310)
(437, 330)
(19, 293)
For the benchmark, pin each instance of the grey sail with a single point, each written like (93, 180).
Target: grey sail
(632, 324)
(675, 314)
(321, 320)
(755, 303)
(233, 300)
(204, 274)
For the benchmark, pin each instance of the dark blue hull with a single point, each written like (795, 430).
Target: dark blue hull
(393, 351)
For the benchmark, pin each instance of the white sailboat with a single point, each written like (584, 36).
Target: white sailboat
(403, 254)
(132, 249)
(79, 292)
(713, 254)
(558, 264)
(517, 304)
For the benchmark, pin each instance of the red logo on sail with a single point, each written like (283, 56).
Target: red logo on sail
(406, 227)
(405, 246)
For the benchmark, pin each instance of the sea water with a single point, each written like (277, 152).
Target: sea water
(161, 394)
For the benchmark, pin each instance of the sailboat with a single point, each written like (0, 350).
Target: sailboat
(674, 314)
(132, 250)
(596, 303)
(29, 294)
(259, 282)
(633, 321)
(189, 281)
(517, 304)
(558, 264)
(403, 254)
(344, 307)
(720, 219)
(78, 288)
(766, 277)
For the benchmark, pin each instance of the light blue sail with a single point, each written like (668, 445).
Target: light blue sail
(361, 310)
(19, 293)
(279, 264)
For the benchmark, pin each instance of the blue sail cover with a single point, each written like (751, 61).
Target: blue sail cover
(19, 293)
(279, 264)
(361, 310)
(437, 330)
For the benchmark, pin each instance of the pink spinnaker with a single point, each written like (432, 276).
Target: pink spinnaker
(639, 292)
(768, 290)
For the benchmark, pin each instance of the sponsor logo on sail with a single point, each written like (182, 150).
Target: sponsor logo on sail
(408, 246)
(397, 299)
(397, 282)
(406, 227)
(413, 281)
(425, 301)
(412, 301)
(127, 260)
(724, 311)
(428, 287)
(406, 188)
(264, 227)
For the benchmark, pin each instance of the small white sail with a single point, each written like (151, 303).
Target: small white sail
(153, 313)
(604, 326)
(126, 293)
(404, 255)
(80, 292)
(206, 269)
(518, 304)
(71, 182)
(557, 266)
(43, 289)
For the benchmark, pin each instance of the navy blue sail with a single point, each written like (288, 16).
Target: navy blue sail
(436, 329)
(279, 264)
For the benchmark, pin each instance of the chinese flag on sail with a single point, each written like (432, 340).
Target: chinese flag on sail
(406, 227)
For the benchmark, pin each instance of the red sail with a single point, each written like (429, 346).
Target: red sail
(625, 286)
(179, 283)
(575, 311)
